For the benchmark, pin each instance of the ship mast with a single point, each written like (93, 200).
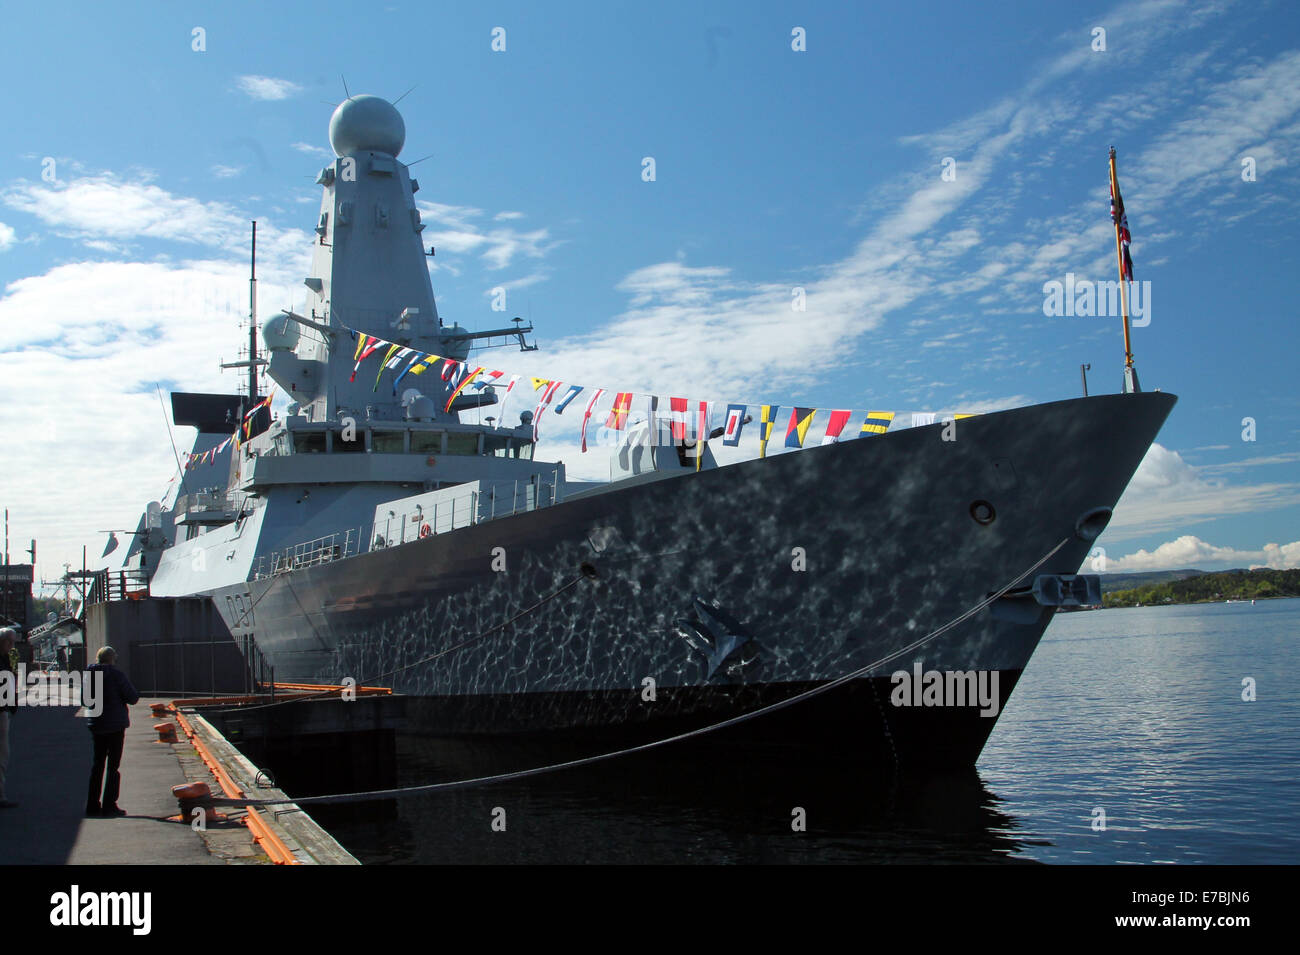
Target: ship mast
(1130, 373)
(252, 321)
(253, 361)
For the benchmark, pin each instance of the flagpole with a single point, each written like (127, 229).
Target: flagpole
(1130, 373)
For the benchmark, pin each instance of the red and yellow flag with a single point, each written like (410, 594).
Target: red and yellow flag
(618, 414)
(461, 387)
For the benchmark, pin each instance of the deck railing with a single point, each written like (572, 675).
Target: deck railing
(472, 507)
(110, 585)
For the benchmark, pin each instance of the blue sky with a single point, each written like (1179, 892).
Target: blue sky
(774, 169)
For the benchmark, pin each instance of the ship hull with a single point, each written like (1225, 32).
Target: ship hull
(856, 720)
(658, 608)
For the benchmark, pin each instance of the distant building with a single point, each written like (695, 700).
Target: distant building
(16, 606)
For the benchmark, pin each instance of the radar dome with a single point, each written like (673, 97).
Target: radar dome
(280, 333)
(418, 407)
(455, 344)
(363, 123)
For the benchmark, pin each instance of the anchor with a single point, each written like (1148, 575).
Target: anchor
(718, 637)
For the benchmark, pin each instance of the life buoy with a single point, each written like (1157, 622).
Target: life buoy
(431, 460)
(425, 530)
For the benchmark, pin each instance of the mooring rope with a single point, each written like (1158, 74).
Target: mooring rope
(654, 744)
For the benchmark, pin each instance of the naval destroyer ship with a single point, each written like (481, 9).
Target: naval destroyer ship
(386, 538)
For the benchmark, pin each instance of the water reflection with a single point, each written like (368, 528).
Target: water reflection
(704, 803)
(1137, 712)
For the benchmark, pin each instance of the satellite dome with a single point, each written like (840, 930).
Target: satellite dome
(455, 342)
(363, 123)
(280, 333)
(418, 407)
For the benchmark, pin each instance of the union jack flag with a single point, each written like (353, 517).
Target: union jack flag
(1120, 218)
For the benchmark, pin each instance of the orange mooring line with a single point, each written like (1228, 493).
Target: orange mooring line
(271, 844)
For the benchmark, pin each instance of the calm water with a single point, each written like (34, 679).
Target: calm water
(1137, 712)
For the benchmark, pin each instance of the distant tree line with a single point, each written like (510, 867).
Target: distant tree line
(44, 605)
(1226, 585)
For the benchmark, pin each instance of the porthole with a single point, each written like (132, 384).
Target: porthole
(983, 513)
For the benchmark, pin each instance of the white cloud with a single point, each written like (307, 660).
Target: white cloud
(457, 230)
(1189, 552)
(1167, 493)
(226, 172)
(7, 236)
(311, 150)
(115, 328)
(267, 87)
(533, 278)
(1201, 152)
(929, 249)
(1286, 457)
(85, 344)
(99, 208)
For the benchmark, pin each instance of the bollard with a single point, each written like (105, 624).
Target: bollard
(193, 797)
(159, 710)
(166, 732)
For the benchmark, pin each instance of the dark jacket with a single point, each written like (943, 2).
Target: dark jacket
(7, 664)
(118, 694)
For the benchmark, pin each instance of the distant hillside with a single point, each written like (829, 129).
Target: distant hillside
(1113, 582)
(1225, 585)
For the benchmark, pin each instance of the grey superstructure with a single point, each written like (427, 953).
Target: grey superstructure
(372, 535)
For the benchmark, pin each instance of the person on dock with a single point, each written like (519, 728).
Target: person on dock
(8, 664)
(109, 731)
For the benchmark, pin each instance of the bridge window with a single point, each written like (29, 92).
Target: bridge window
(462, 443)
(426, 442)
(309, 442)
(358, 442)
(388, 442)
